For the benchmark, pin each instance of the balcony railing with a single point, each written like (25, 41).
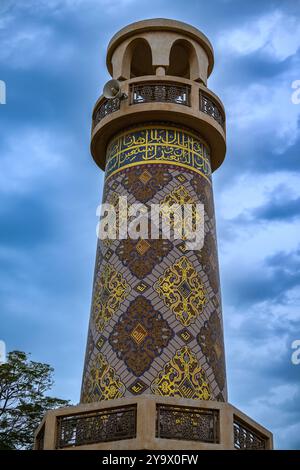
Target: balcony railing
(208, 106)
(112, 424)
(159, 93)
(105, 108)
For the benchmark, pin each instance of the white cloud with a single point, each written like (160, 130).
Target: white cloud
(254, 190)
(254, 241)
(275, 34)
(28, 159)
(30, 45)
(59, 6)
(265, 109)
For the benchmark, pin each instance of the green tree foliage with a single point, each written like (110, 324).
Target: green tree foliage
(23, 399)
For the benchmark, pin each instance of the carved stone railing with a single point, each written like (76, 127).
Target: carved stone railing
(106, 107)
(112, 424)
(210, 107)
(160, 93)
(187, 423)
(246, 438)
(157, 422)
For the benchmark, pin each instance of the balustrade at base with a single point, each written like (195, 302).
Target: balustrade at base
(151, 423)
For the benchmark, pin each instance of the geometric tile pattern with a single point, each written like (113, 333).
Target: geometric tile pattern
(210, 339)
(140, 335)
(137, 387)
(110, 290)
(102, 383)
(156, 320)
(182, 377)
(145, 183)
(182, 291)
(185, 335)
(140, 256)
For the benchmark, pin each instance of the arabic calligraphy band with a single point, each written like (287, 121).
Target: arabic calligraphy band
(158, 143)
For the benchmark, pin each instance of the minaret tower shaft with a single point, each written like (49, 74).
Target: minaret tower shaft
(156, 321)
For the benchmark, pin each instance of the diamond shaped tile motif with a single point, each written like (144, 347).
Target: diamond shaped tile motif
(181, 289)
(102, 382)
(204, 192)
(181, 178)
(144, 183)
(142, 247)
(140, 256)
(175, 201)
(208, 258)
(137, 387)
(179, 195)
(108, 254)
(140, 335)
(145, 177)
(185, 335)
(141, 287)
(182, 377)
(210, 338)
(110, 290)
(100, 342)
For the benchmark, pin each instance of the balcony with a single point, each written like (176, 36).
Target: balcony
(140, 93)
(184, 103)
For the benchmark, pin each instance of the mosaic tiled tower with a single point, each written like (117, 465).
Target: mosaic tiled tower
(154, 374)
(156, 321)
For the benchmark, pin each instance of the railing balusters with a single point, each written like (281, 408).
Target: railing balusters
(187, 423)
(246, 438)
(102, 426)
(208, 106)
(161, 92)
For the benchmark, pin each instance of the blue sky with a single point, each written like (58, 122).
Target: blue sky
(52, 58)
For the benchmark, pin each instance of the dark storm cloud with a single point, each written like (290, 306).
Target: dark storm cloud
(270, 280)
(26, 222)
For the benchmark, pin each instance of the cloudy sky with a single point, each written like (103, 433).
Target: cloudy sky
(52, 59)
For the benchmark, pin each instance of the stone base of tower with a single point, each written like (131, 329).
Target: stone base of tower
(151, 423)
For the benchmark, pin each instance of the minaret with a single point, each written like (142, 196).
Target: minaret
(154, 371)
(156, 320)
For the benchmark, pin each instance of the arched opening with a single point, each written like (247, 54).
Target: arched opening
(141, 59)
(183, 59)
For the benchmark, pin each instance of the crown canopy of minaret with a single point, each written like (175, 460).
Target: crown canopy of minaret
(144, 55)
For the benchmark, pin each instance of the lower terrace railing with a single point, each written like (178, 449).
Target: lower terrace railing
(177, 422)
(102, 426)
(39, 440)
(246, 438)
(187, 423)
